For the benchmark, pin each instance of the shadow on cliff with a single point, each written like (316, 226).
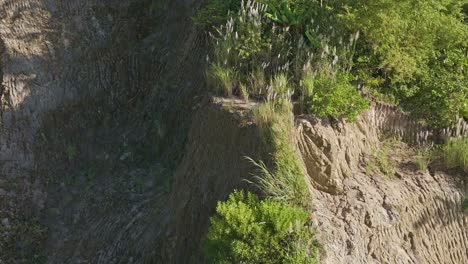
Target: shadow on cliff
(95, 113)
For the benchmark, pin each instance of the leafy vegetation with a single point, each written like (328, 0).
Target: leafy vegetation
(247, 230)
(325, 96)
(269, 56)
(418, 50)
(413, 51)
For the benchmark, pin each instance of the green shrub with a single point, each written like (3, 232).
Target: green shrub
(454, 154)
(332, 96)
(280, 87)
(247, 230)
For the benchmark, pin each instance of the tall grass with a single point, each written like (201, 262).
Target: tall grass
(286, 181)
(222, 80)
(424, 156)
(454, 154)
(272, 61)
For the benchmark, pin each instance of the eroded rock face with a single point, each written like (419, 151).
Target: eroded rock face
(415, 219)
(332, 151)
(412, 217)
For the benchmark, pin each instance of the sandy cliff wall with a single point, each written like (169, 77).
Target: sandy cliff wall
(411, 217)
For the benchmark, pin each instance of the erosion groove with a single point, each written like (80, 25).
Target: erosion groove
(391, 120)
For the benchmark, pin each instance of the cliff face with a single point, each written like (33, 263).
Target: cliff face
(220, 139)
(81, 82)
(82, 152)
(360, 216)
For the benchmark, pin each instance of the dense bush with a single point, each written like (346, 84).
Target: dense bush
(413, 51)
(326, 96)
(247, 230)
(418, 50)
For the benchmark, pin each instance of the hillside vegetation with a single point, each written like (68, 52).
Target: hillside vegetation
(330, 58)
(412, 53)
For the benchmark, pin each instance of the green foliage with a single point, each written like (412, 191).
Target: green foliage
(418, 49)
(247, 230)
(222, 80)
(454, 154)
(258, 43)
(412, 51)
(332, 96)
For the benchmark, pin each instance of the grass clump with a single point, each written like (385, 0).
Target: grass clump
(248, 230)
(454, 154)
(286, 181)
(222, 80)
(424, 157)
(380, 161)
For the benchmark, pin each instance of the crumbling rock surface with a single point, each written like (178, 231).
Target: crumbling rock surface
(411, 217)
